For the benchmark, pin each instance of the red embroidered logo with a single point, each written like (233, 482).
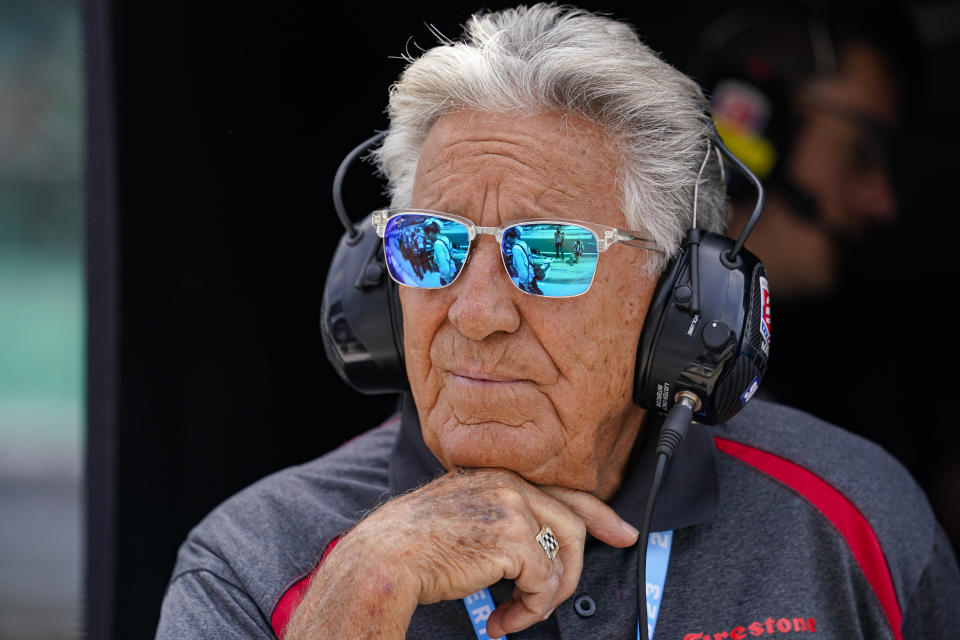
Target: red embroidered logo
(767, 627)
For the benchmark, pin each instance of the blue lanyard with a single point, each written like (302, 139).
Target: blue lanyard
(480, 604)
(658, 558)
(479, 607)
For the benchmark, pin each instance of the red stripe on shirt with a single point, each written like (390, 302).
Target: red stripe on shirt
(842, 513)
(291, 598)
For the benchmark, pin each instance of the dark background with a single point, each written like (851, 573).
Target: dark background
(214, 130)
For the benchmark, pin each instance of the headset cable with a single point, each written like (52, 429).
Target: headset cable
(672, 433)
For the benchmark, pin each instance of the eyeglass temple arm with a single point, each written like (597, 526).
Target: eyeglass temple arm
(632, 240)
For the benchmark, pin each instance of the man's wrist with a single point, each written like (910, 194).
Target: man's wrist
(357, 592)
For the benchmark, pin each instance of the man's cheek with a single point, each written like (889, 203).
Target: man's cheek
(419, 327)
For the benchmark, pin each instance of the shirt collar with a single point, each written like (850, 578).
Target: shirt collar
(688, 495)
(412, 464)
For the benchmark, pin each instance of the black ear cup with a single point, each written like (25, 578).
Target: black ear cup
(719, 350)
(360, 317)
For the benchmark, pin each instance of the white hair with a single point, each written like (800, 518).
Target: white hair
(568, 60)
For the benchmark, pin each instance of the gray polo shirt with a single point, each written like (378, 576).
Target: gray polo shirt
(785, 527)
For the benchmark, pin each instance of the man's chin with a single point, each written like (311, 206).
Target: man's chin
(525, 449)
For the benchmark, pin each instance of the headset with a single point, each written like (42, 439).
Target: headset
(706, 334)
(707, 330)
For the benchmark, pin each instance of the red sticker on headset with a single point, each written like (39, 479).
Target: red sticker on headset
(765, 315)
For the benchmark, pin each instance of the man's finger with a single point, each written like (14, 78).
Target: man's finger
(601, 521)
(533, 598)
(513, 616)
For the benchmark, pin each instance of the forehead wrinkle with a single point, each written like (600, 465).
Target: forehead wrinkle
(525, 149)
(549, 193)
(532, 197)
(452, 155)
(530, 200)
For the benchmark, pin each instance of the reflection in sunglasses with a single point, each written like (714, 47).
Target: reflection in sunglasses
(546, 259)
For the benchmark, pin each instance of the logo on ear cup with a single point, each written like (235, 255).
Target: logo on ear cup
(765, 314)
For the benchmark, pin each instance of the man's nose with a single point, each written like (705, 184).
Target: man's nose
(874, 200)
(485, 296)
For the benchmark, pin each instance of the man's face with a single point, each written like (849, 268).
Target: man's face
(832, 159)
(506, 379)
(836, 156)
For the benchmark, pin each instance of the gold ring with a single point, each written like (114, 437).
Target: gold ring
(548, 541)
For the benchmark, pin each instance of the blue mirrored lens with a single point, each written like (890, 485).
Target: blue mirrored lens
(425, 251)
(554, 260)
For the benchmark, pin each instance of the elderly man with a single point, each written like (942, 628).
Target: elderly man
(506, 496)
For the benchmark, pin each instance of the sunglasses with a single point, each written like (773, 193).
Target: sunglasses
(542, 256)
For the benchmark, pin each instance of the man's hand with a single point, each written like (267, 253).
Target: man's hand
(448, 539)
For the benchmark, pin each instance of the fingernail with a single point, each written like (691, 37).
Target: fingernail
(630, 529)
(549, 612)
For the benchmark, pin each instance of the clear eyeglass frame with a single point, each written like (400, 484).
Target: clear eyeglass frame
(606, 236)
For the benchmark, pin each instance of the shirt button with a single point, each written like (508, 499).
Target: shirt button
(585, 606)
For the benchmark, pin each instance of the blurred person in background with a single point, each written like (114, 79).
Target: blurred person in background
(810, 100)
(814, 98)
